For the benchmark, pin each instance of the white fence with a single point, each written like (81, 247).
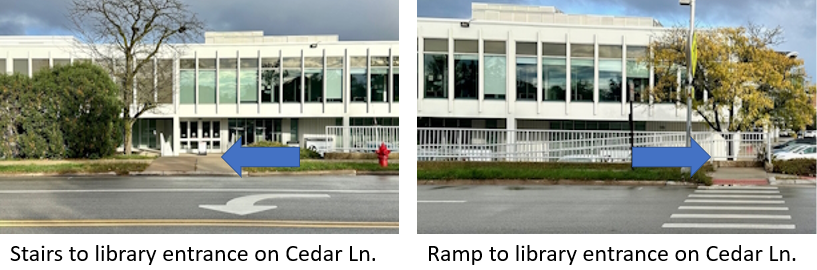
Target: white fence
(361, 138)
(568, 145)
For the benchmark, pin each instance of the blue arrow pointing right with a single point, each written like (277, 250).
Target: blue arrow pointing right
(693, 157)
(238, 157)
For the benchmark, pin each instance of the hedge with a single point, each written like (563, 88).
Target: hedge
(800, 166)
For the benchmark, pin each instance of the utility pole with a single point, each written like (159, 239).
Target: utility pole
(690, 64)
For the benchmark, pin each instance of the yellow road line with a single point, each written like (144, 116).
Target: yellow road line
(197, 223)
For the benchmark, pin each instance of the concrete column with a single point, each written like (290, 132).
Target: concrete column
(177, 136)
(510, 126)
(347, 140)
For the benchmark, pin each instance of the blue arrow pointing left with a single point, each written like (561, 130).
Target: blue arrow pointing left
(238, 157)
(693, 157)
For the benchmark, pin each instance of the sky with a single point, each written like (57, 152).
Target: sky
(349, 19)
(797, 18)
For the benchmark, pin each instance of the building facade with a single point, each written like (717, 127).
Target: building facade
(535, 67)
(243, 84)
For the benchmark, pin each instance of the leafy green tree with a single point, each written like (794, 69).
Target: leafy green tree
(89, 108)
(10, 87)
(39, 130)
(748, 84)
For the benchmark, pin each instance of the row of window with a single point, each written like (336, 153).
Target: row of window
(281, 80)
(158, 76)
(435, 58)
(275, 75)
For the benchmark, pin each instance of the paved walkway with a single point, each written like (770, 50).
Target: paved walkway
(211, 163)
(740, 176)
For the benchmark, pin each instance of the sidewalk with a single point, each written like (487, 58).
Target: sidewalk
(69, 161)
(756, 176)
(214, 164)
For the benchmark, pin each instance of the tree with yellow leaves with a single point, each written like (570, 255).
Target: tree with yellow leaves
(746, 82)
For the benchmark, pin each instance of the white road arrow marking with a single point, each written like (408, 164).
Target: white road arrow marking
(246, 205)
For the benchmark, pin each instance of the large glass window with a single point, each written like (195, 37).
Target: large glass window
(525, 78)
(61, 62)
(396, 78)
(466, 68)
(554, 71)
(638, 75)
(610, 73)
(270, 79)
(207, 81)
(358, 78)
(38, 64)
(334, 79)
(20, 66)
(164, 81)
(292, 79)
(380, 79)
(187, 81)
(526, 71)
(313, 83)
(227, 80)
(249, 80)
(496, 70)
(435, 68)
(581, 72)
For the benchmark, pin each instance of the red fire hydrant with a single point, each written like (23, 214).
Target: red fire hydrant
(383, 155)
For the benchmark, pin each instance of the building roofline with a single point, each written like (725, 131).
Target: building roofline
(555, 25)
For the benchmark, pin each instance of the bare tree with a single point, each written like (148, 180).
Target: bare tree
(126, 37)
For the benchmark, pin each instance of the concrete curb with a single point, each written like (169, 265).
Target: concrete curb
(378, 172)
(784, 182)
(195, 173)
(554, 182)
(57, 174)
(338, 172)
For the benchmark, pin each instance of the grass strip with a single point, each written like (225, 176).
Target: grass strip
(68, 168)
(329, 166)
(549, 171)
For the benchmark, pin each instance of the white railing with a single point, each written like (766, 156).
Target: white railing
(361, 138)
(568, 145)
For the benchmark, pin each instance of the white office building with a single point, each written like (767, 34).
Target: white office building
(531, 83)
(244, 84)
(535, 67)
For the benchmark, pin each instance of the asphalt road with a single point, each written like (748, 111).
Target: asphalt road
(308, 204)
(614, 209)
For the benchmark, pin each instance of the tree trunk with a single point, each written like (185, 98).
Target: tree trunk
(128, 136)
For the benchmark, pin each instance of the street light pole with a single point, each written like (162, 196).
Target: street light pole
(691, 4)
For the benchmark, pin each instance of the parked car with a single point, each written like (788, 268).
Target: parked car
(790, 148)
(810, 134)
(319, 144)
(811, 140)
(809, 151)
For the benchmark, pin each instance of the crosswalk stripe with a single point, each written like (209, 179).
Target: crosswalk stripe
(733, 208)
(738, 191)
(737, 187)
(729, 226)
(736, 196)
(741, 216)
(734, 201)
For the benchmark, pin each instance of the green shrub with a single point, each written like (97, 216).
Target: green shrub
(266, 144)
(309, 154)
(89, 108)
(800, 166)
